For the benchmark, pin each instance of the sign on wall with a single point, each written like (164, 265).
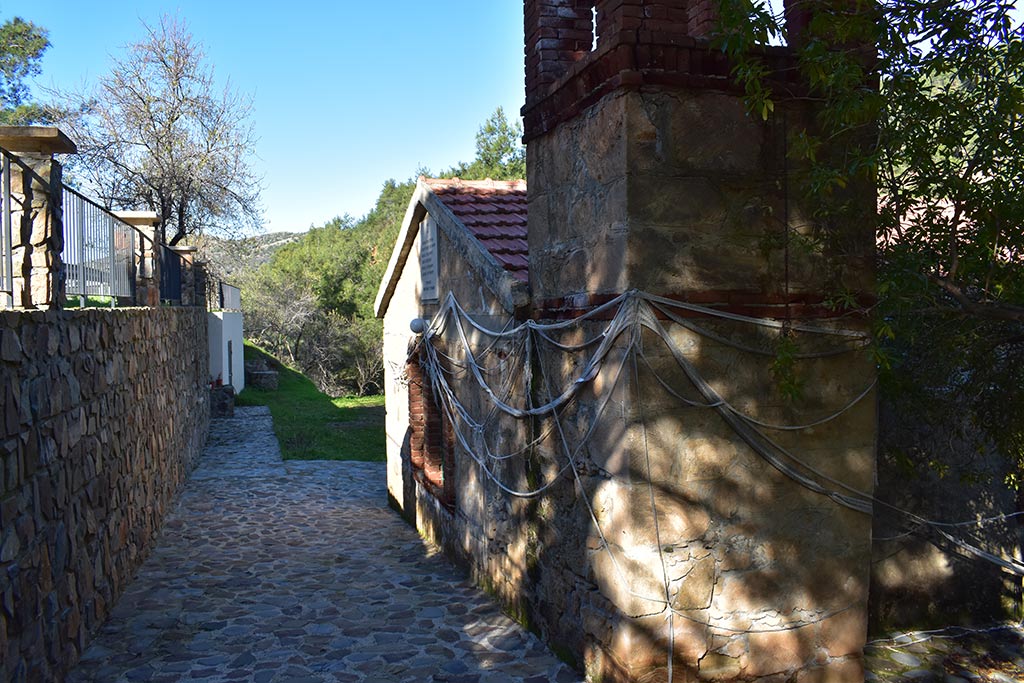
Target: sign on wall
(428, 260)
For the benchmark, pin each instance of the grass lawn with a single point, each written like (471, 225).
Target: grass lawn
(313, 426)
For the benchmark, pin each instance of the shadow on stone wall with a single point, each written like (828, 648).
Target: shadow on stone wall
(762, 575)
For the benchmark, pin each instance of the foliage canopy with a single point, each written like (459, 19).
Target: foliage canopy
(312, 304)
(499, 153)
(22, 45)
(926, 100)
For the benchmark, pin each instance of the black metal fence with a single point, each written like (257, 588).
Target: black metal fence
(170, 275)
(6, 252)
(220, 296)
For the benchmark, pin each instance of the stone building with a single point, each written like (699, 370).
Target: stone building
(595, 420)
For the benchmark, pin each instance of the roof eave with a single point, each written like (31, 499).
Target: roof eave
(512, 293)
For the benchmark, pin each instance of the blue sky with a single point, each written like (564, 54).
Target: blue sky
(346, 94)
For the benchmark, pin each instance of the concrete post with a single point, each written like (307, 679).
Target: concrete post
(37, 238)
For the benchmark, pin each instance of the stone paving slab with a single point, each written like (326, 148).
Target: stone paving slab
(952, 655)
(271, 571)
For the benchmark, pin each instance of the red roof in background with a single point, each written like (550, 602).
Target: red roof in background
(495, 212)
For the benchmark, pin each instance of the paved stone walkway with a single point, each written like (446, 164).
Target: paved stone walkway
(272, 571)
(955, 655)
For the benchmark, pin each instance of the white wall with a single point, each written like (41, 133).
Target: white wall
(403, 308)
(226, 362)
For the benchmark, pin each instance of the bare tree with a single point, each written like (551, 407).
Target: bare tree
(156, 133)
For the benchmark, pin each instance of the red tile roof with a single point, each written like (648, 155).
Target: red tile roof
(495, 212)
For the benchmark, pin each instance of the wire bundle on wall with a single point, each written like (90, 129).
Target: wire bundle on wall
(522, 350)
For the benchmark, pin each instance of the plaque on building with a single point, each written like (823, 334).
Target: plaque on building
(428, 260)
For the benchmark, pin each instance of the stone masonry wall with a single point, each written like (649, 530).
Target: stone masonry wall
(105, 413)
(37, 234)
(675, 191)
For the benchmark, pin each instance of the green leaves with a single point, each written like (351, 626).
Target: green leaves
(312, 304)
(500, 154)
(784, 368)
(924, 98)
(22, 45)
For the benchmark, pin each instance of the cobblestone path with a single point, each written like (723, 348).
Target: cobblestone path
(274, 571)
(954, 655)
(292, 571)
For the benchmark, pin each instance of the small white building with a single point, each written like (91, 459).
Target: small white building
(224, 324)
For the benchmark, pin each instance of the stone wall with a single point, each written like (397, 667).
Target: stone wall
(645, 171)
(105, 413)
(476, 524)
(749, 552)
(661, 544)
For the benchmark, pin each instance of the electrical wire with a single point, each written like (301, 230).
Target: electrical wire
(634, 311)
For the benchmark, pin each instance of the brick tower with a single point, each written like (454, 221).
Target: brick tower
(645, 171)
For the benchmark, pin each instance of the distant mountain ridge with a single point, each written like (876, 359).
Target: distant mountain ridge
(228, 259)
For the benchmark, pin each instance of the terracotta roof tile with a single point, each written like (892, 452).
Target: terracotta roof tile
(494, 211)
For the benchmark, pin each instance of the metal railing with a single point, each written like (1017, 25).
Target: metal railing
(170, 275)
(6, 253)
(99, 250)
(229, 297)
(220, 296)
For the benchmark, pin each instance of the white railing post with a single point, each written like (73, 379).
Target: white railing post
(82, 283)
(112, 251)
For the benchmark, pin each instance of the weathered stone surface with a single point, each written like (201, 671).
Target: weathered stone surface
(673, 190)
(100, 436)
(222, 401)
(10, 350)
(838, 671)
(357, 598)
(261, 376)
(36, 209)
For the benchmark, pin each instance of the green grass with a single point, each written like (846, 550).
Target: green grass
(92, 301)
(313, 426)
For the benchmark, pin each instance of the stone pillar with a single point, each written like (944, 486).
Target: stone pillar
(645, 171)
(147, 256)
(200, 278)
(36, 214)
(188, 274)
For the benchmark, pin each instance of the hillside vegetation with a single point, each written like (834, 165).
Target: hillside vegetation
(311, 303)
(231, 259)
(312, 426)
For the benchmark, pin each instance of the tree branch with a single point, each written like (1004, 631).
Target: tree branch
(979, 309)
